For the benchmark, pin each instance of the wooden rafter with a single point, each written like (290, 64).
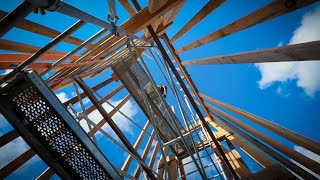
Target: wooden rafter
(136, 145)
(270, 11)
(24, 48)
(128, 7)
(154, 5)
(204, 12)
(22, 57)
(42, 30)
(297, 52)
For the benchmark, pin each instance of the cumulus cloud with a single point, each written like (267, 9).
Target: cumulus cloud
(129, 109)
(306, 73)
(62, 97)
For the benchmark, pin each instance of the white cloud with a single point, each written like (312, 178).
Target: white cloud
(3, 123)
(129, 109)
(62, 97)
(6, 72)
(307, 73)
(12, 150)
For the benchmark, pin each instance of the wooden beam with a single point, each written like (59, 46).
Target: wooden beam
(251, 151)
(181, 169)
(297, 52)
(8, 137)
(305, 161)
(145, 154)
(47, 174)
(275, 171)
(241, 170)
(154, 155)
(66, 82)
(103, 121)
(16, 163)
(136, 145)
(268, 12)
(22, 57)
(173, 168)
(128, 7)
(112, 124)
(42, 65)
(247, 148)
(42, 30)
(275, 128)
(24, 48)
(278, 157)
(134, 25)
(108, 96)
(154, 5)
(204, 12)
(83, 95)
(173, 13)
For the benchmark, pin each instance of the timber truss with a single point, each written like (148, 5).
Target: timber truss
(207, 136)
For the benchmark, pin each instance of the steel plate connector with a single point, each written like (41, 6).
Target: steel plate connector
(49, 5)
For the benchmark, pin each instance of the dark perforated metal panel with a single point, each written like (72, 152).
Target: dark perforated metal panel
(51, 130)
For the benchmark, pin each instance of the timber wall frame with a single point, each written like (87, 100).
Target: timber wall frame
(231, 137)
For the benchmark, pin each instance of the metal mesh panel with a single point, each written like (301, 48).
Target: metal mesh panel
(129, 71)
(38, 113)
(45, 123)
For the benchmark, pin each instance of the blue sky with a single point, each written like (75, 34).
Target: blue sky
(278, 92)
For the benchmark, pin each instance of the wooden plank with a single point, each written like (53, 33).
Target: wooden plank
(173, 13)
(128, 7)
(154, 155)
(108, 96)
(47, 174)
(297, 52)
(241, 170)
(42, 65)
(270, 11)
(251, 151)
(154, 5)
(25, 48)
(8, 137)
(103, 121)
(181, 169)
(42, 30)
(4, 57)
(275, 128)
(136, 145)
(278, 157)
(83, 95)
(145, 154)
(303, 160)
(275, 171)
(204, 12)
(16, 163)
(173, 168)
